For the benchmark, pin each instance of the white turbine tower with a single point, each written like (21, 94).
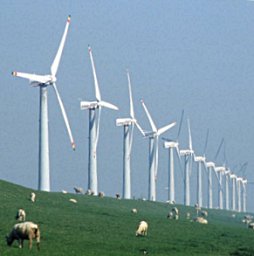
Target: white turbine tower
(153, 152)
(173, 145)
(239, 193)
(244, 184)
(94, 108)
(233, 177)
(128, 125)
(200, 160)
(227, 177)
(220, 170)
(210, 168)
(43, 81)
(187, 154)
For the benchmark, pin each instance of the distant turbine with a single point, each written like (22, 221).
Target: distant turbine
(244, 183)
(171, 145)
(153, 152)
(200, 160)
(220, 170)
(239, 193)
(210, 168)
(188, 154)
(43, 81)
(128, 124)
(94, 108)
(233, 177)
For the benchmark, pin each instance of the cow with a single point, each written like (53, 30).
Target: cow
(24, 231)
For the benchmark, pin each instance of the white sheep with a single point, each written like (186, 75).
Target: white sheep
(101, 194)
(32, 197)
(78, 190)
(134, 210)
(73, 200)
(200, 220)
(21, 215)
(251, 225)
(24, 231)
(142, 228)
(204, 213)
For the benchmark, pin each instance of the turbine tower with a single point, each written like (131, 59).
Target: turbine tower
(210, 168)
(233, 177)
(220, 170)
(239, 193)
(94, 108)
(227, 177)
(43, 81)
(244, 183)
(187, 154)
(173, 145)
(153, 152)
(128, 126)
(200, 160)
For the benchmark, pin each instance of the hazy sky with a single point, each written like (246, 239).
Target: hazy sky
(196, 55)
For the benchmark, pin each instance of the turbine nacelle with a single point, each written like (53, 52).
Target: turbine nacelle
(220, 169)
(125, 121)
(89, 105)
(232, 176)
(186, 152)
(210, 164)
(171, 144)
(199, 158)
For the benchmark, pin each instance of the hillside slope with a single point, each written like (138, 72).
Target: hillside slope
(106, 226)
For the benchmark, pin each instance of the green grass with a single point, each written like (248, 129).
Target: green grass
(105, 226)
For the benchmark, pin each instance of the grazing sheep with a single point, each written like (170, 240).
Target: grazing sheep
(173, 214)
(64, 192)
(32, 197)
(170, 202)
(73, 200)
(200, 220)
(251, 225)
(118, 196)
(101, 194)
(24, 231)
(142, 229)
(78, 190)
(204, 213)
(21, 215)
(134, 210)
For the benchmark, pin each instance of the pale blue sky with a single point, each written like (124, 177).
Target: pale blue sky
(196, 55)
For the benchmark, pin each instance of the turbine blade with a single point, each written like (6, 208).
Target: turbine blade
(165, 128)
(64, 117)
(107, 105)
(219, 148)
(180, 124)
(139, 128)
(149, 117)
(189, 131)
(132, 115)
(180, 162)
(96, 85)
(32, 77)
(206, 141)
(55, 64)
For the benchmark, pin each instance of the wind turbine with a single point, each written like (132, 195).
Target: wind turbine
(94, 108)
(200, 160)
(128, 126)
(173, 145)
(239, 193)
(210, 168)
(187, 154)
(244, 183)
(153, 152)
(233, 177)
(43, 81)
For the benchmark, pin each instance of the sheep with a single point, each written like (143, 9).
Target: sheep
(251, 225)
(24, 231)
(200, 220)
(101, 194)
(173, 214)
(118, 196)
(142, 229)
(64, 192)
(204, 213)
(134, 210)
(32, 197)
(78, 190)
(21, 215)
(73, 200)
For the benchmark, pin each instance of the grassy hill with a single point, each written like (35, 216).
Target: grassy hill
(106, 226)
